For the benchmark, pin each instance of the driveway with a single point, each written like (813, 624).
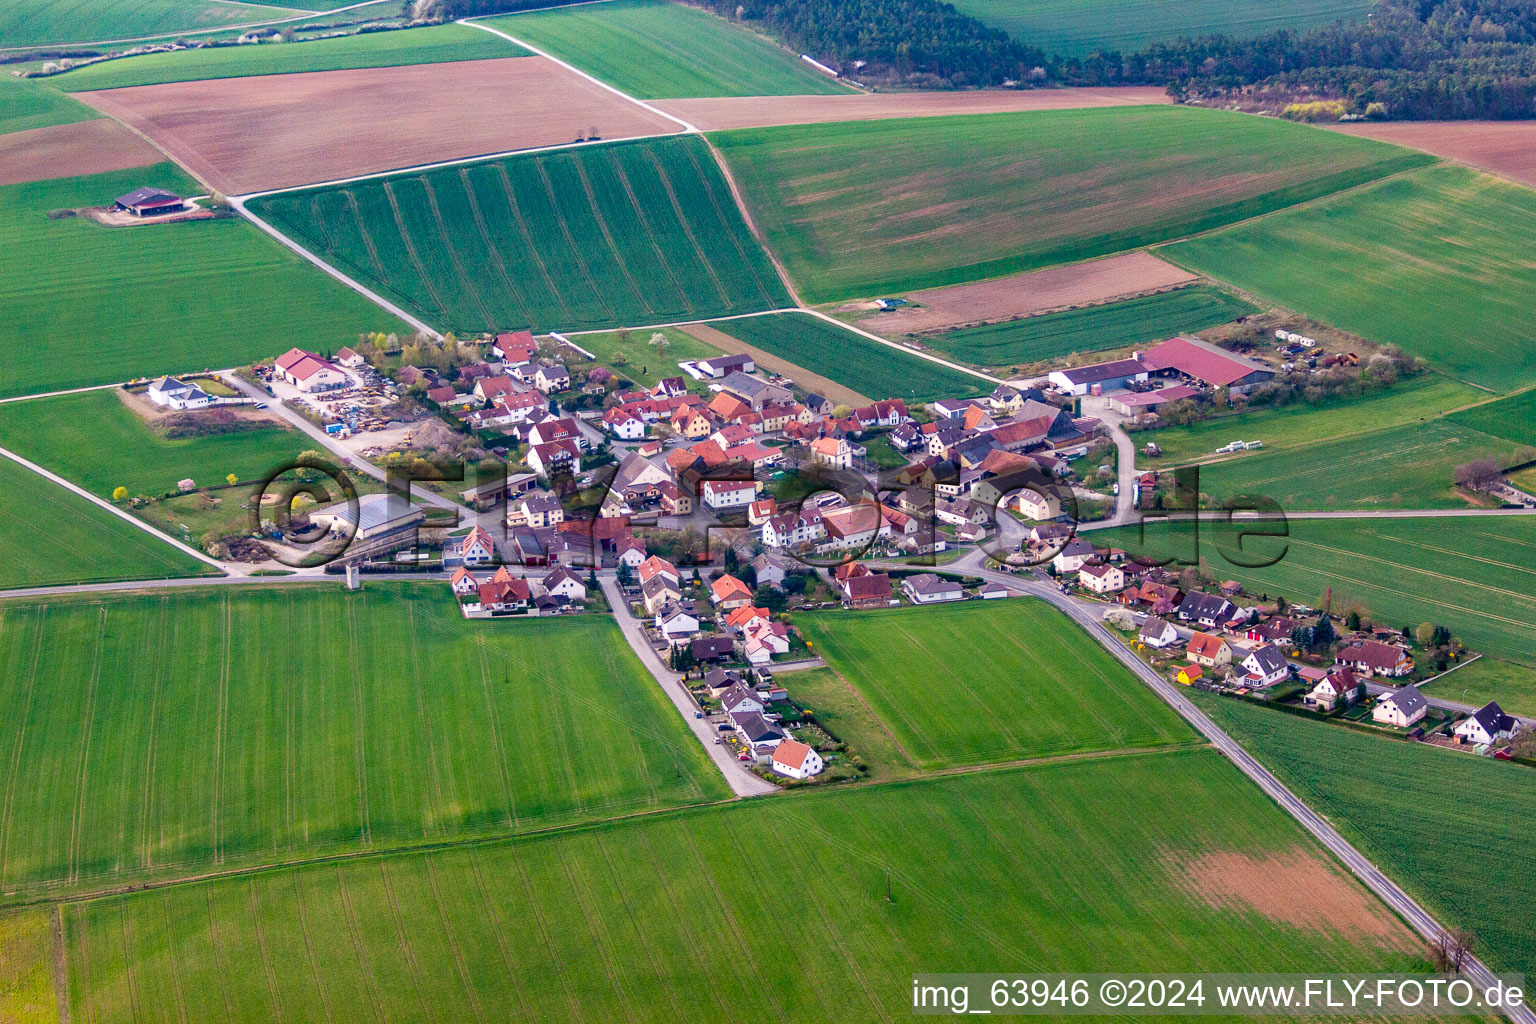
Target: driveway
(741, 781)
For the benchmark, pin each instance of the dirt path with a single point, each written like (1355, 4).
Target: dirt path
(722, 113)
(807, 380)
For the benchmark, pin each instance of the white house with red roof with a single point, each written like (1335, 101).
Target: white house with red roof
(474, 548)
(832, 451)
(796, 760)
(309, 372)
(555, 457)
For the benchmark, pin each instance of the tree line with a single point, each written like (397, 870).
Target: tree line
(1411, 59)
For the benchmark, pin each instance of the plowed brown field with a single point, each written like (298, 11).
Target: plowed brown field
(245, 135)
(1017, 295)
(70, 150)
(1506, 148)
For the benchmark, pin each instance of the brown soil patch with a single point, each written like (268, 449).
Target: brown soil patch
(69, 150)
(1040, 291)
(1295, 887)
(808, 381)
(1506, 148)
(248, 134)
(721, 113)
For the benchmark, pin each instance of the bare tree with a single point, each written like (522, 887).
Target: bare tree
(1450, 949)
(1478, 475)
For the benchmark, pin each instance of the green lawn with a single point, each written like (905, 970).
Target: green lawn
(1060, 867)
(1449, 827)
(643, 362)
(37, 22)
(1513, 418)
(1510, 683)
(86, 304)
(882, 207)
(96, 441)
(852, 360)
(429, 45)
(53, 536)
(1475, 575)
(1137, 321)
(654, 49)
(1399, 467)
(1416, 401)
(1437, 262)
(1076, 28)
(195, 730)
(989, 681)
(25, 105)
(604, 236)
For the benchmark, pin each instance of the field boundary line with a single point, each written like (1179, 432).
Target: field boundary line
(299, 15)
(357, 286)
(59, 961)
(902, 348)
(93, 499)
(66, 391)
(686, 127)
(740, 199)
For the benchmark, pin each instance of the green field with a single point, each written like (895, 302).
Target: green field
(1437, 262)
(990, 681)
(852, 360)
(1510, 683)
(1419, 400)
(1513, 418)
(429, 45)
(1137, 321)
(86, 304)
(26, 980)
(191, 730)
(644, 363)
(37, 22)
(53, 536)
(1058, 867)
(654, 49)
(1449, 827)
(94, 440)
(1475, 574)
(1076, 28)
(1399, 467)
(603, 236)
(883, 207)
(25, 105)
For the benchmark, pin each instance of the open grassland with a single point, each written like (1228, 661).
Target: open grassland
(1139, 321)
(1475, 575)
(631, 354)
(93, 439)
(852, 360)
(1477, 682)
(429, 45)
(1053, 868)
(1416, 401)
(603, 236)
(865, 209)
(655, 50)
(193, 730)
(1513, 418)
(87, 304)
(25, 105)
(37, 22)
(1437, 262)
(990, 681)
(1399, 467)
(52, 536)
(1449, 827)
(1076, 28)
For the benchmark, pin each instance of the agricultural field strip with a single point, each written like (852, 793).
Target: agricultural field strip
(119, 513)
(298, 16)
(471, 842)
(1324, 831)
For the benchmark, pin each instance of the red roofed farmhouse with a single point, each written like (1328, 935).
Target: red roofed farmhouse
(309, 372)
